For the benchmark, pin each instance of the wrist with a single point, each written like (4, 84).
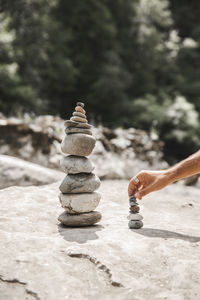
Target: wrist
(171, 175)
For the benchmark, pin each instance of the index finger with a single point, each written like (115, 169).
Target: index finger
(132, 187)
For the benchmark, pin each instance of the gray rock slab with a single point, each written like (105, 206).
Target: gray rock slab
(80, 183)
(72, 164)
(40, 259)
(15, 171)
(80, 220)
(78, 144)
(79, 203)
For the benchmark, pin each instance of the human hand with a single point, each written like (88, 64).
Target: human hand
(149, 181)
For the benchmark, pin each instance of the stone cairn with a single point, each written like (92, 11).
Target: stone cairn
(78, 196)
(135, 219)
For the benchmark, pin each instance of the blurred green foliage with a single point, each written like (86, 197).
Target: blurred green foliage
(136, 63)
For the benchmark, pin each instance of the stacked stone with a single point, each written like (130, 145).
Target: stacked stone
(78, 196)
(135, 219)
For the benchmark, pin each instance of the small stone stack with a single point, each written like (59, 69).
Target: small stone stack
(78, 196)
(135, 219)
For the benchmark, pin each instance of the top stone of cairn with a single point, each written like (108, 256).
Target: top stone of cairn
(80, 104)
(78, 140)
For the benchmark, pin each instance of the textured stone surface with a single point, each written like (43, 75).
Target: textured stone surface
(78, 119)
(135, 217)
(79, 203)
(69, 123)
(134, 209)
(80, 183)
(80, 220)
(135, 224)
(71, 130)
(40, 259)
(78, 144)
(72, 164)
(15, 171)
(79, 114)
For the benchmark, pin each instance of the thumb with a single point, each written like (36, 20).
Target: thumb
(143, 192)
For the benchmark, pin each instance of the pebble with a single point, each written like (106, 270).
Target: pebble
(69, 124)
(80, 183)
(135, 224)
(78, 144)
(80, 104)
(134, 209)
(80, 220)
(79, 114)
(71, 130)
(79, 203)
(72, 164)
(78, 119)
(80, 109)
(135, 217)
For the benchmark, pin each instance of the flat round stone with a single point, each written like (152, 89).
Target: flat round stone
(69, 124)
(135, 224)
(80, 220)
(134, 209)
(78, 119)
(80, 109)
(79, 203)
(72, 164)
(71, 130)
(78, 144)
(80, 104)
(80, 183)
(79, 114)
(135, 217)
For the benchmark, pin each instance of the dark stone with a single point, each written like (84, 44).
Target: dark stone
(135, 224)
(69, 124)
(80, 104)
(134, 209)
(80, 220)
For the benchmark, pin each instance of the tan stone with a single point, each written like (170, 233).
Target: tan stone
(78, 119)
(80, 109)
(79, 114)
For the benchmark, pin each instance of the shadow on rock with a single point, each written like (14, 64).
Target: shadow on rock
(80, 235)
(151, 232)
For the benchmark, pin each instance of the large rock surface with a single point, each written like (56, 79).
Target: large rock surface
(39, 259)
(15, 171)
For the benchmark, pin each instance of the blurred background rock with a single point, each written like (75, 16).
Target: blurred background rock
(135, 63)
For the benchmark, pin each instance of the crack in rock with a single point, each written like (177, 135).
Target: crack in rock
(98, 264)
(15, 280)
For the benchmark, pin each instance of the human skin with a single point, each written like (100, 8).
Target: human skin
(151, 181)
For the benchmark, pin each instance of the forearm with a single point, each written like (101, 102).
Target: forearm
(188, 167)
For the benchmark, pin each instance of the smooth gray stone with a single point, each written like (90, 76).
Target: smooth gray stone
(72, 164)
(80, 220)
(79, 203)
(78, 130)
(69, 123)
(135, 217)
(135, 224)
(80, 183)
(79, 114)
(78, 144)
